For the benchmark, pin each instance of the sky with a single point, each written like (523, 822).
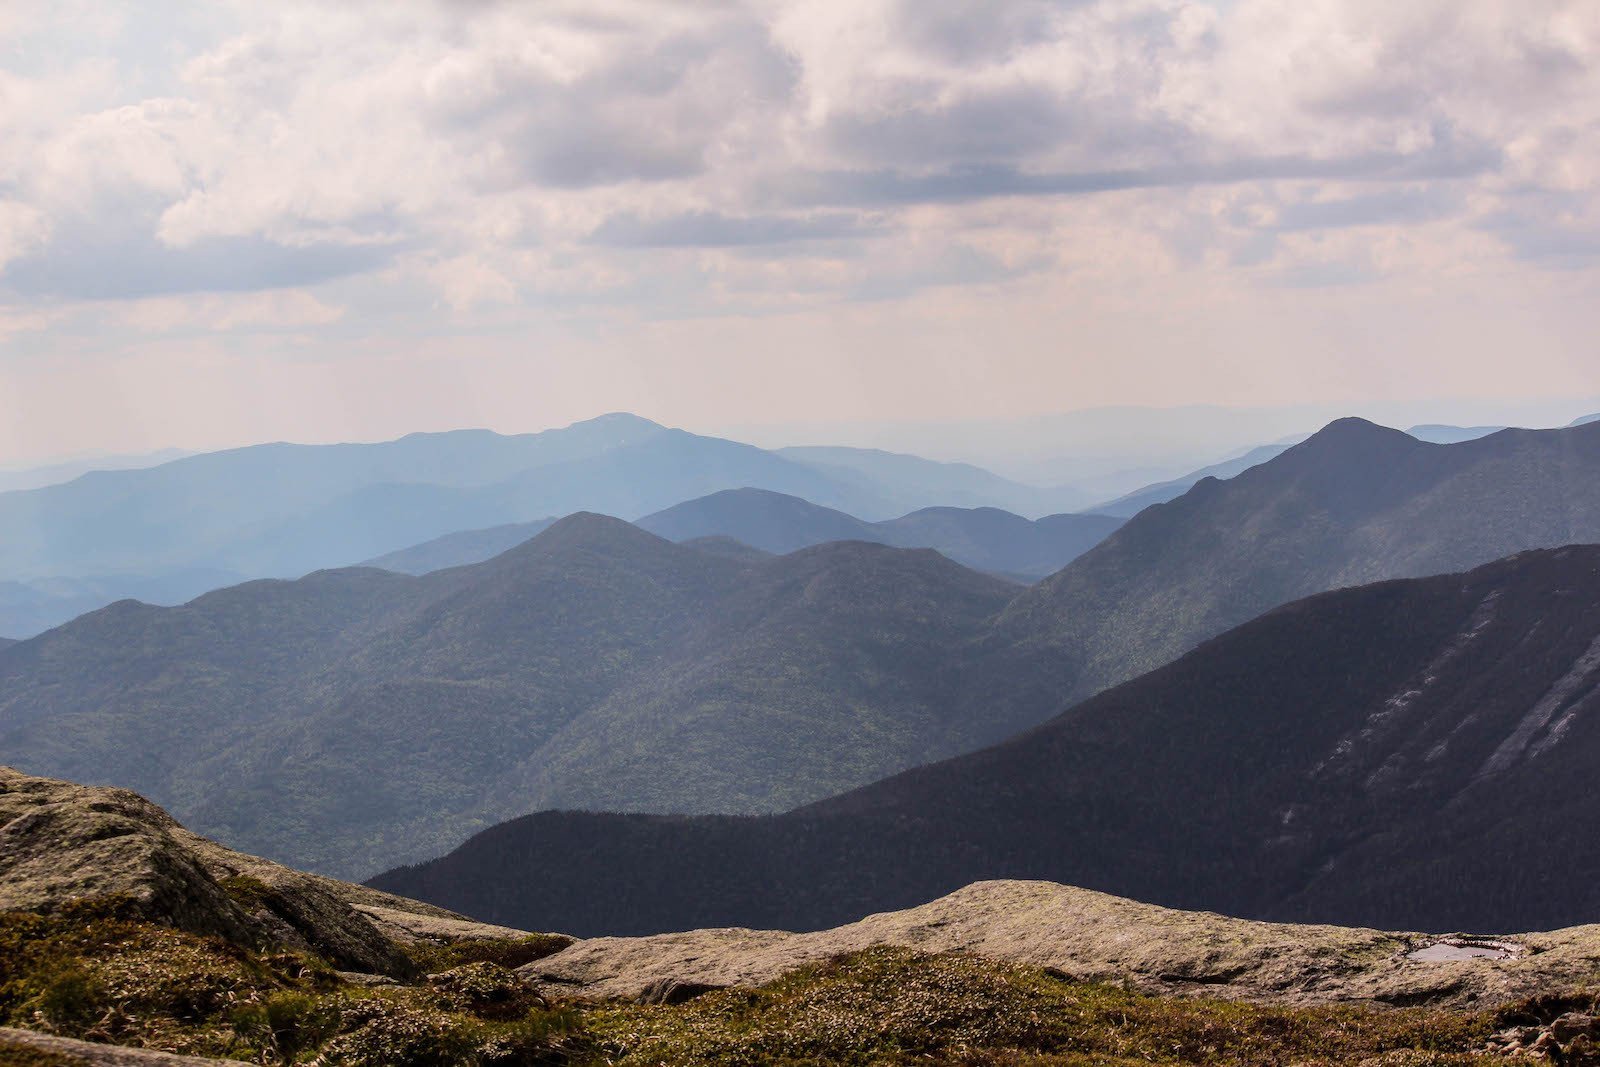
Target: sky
(223, 223)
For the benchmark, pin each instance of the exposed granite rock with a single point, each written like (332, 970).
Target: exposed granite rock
(1099, 937)
(61, 842)
(409, 927)
(46, 1048)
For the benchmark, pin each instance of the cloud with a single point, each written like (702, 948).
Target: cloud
(275, 310)
(1386, 207)
(80, 263)
(294, 144)
(709, 229)
(1444, 160)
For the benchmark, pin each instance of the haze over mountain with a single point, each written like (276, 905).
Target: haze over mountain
(952, 484)
(284, 510)
(1413, 754)
(356, 717)
(459, 549)
(986, 539)
(67, 469)
(28, 608)
(1130, 505)
(1136, 501)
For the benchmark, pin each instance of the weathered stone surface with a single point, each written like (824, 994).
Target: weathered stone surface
(89, 1054)
(408, 927)
(1095, 936)
(60, 841)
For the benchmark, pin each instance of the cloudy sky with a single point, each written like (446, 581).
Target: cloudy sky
(222, 223)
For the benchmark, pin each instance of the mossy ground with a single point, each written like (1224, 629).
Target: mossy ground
(93, 972)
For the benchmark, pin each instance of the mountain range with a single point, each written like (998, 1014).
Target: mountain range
(284, 510)
(1411, 754)
(1355, 503)
(65, 470)
(986, 539)
(1132, 503)
(357, 718)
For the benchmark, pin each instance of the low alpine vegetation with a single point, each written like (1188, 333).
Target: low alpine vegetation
(92, 971)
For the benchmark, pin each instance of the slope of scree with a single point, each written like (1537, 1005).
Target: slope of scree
(1411, 754)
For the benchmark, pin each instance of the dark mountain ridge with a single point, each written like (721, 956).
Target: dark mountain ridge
(1412, 754)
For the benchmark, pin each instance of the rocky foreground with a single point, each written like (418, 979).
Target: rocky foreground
(1098, 938)
(120, 930)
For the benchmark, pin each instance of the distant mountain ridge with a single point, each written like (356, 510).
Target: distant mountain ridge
(959, 485)
(357, 717)
(28, 608)
(1132, 503)
(459, 549)
(14, 479)
(985, 539)
(283, 510)
(1411, 754)
(1354, 503)
(600, 666)
(1135, 502)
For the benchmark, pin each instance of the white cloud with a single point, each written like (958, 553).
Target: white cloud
(380, 168)
(279, 309)
(456, 133)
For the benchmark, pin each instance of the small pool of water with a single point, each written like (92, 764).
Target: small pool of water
(1450, 952)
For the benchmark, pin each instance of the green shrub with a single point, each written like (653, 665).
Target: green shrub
(287, 1023)
(69, 998)
(486, 990)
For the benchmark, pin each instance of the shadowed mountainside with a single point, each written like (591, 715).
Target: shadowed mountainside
(1355, 503)
(1410, 754)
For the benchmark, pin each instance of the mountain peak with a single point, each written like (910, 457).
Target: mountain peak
(588, 529)
(618, 420)
(1348, 441)
(1355, 428)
